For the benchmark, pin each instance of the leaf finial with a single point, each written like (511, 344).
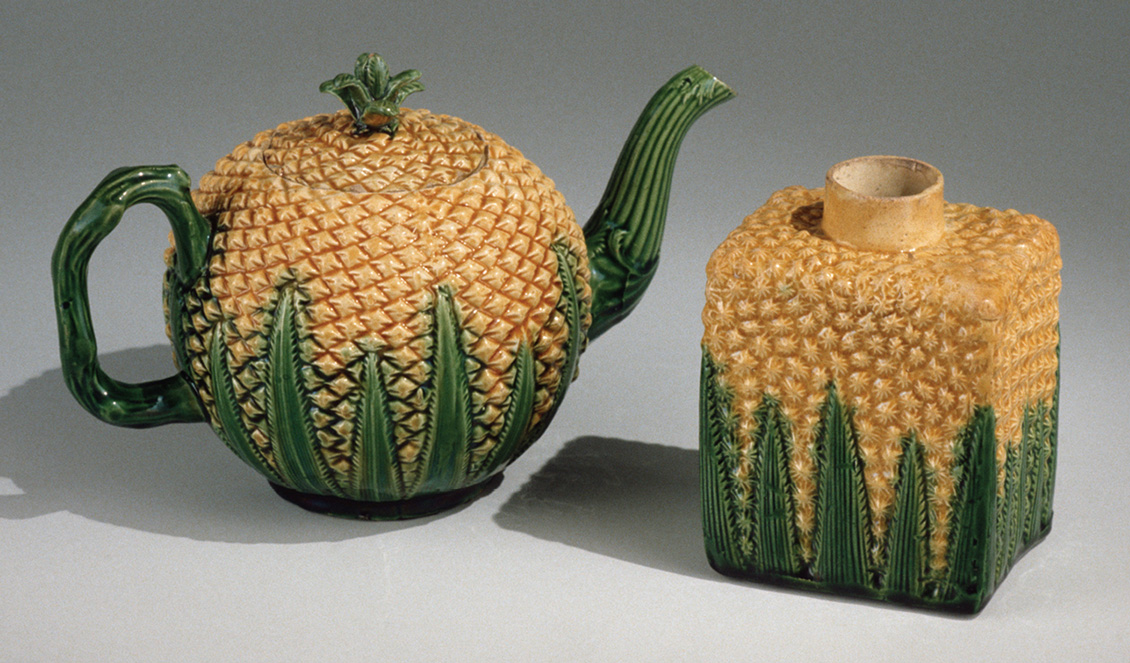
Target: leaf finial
(371, 95)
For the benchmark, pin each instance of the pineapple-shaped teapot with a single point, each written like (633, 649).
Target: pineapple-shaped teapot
(378, 309)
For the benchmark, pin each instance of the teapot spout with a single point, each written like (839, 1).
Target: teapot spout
(624, 234)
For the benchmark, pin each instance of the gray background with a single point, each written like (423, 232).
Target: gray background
(159, 545)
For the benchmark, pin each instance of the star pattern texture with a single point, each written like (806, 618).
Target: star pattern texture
(914, 341)
(365, 229)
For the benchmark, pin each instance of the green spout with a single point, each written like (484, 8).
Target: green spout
(624, 233)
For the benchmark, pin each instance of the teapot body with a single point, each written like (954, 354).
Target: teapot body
(382, 319)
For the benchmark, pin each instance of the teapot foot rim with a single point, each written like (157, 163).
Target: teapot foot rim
(415, 507)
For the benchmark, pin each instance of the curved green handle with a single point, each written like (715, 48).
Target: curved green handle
(172, 399)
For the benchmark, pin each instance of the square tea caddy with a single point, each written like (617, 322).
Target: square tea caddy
(879, 389)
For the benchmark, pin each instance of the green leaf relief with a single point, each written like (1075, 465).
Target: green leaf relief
(720, 505)
(842, 537)
(573, 317)
(297, 450)
(519, 410)
(972, 537)
(376, 466)
(229, 424)
(1053, 438)
(176, 299)
(775, 543)
(989, 527)
(446, 451)
(1042, 458)
(570, 306)
(1020, 512)
(1036, 447)
(908, 531)
(1029, 470)
(1007, 513)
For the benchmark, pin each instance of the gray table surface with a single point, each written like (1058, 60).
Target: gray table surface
(158, 545)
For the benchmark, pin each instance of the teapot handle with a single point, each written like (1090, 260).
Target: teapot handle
(153, 403)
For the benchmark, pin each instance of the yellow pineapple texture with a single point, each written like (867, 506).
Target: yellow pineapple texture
(365, 229)
(913, 341)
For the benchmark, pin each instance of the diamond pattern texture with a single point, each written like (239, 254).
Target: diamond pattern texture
(365, 229)
(914, 341)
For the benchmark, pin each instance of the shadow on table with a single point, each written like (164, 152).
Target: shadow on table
(634, 501)
(179, 479)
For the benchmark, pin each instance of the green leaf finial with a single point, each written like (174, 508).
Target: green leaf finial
(371, 95)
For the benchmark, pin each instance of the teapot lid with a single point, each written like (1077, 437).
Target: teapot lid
(323, 152)
(374, 147)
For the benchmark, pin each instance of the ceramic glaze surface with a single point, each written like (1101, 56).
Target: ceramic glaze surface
(364, 231)
(905, 358)
(381, 308)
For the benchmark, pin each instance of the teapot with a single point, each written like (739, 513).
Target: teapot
(378, 309)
